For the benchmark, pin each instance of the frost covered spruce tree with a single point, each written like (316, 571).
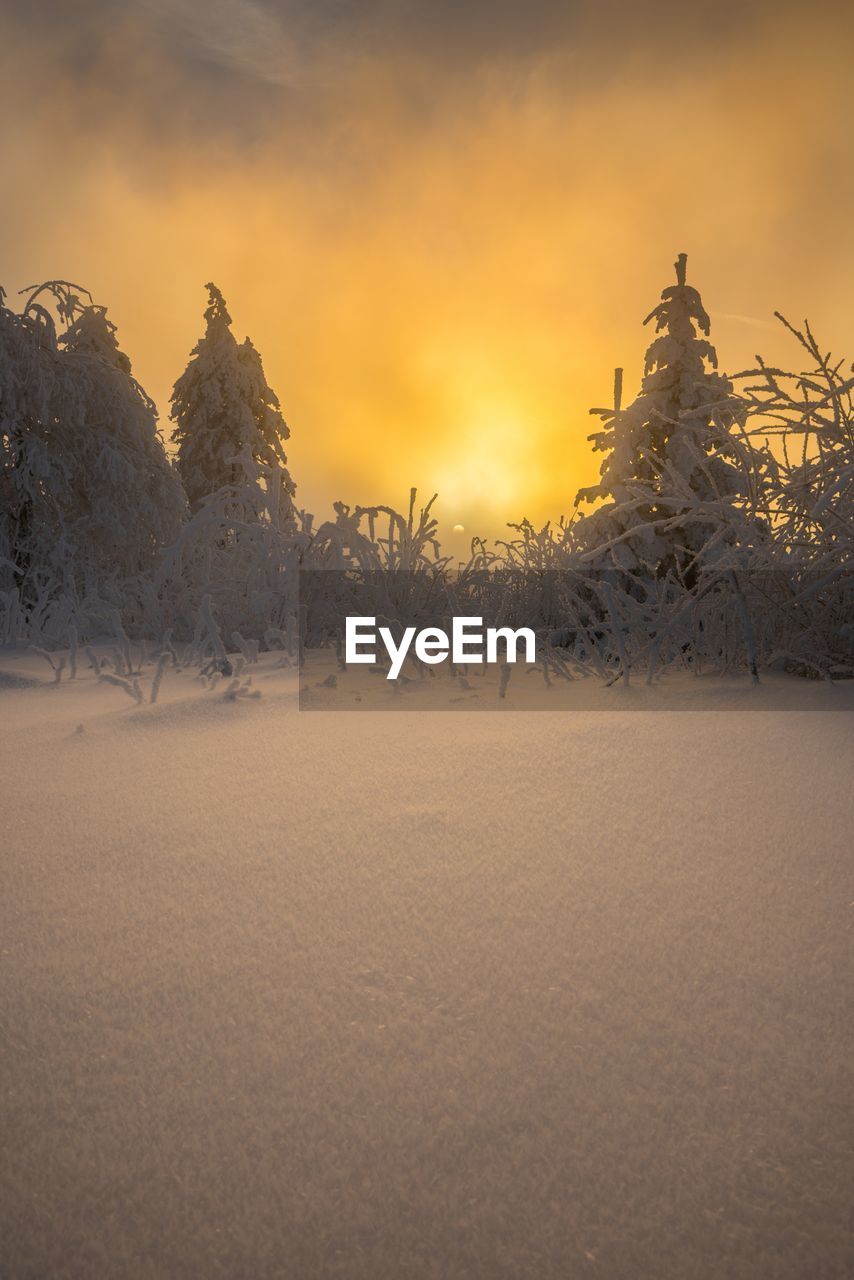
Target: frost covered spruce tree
(237, 557)
(229, 429)
(87, 495)
(675, 473)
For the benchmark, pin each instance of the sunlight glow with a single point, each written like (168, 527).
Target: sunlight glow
(490, 462)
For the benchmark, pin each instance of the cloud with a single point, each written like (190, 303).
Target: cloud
(240, 35)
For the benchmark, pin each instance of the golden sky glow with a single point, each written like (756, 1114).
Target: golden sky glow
(440, 264)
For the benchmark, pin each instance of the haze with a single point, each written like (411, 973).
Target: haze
(442, 225)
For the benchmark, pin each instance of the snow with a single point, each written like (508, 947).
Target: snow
(545, 993)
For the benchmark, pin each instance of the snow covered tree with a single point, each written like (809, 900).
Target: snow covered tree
(674, 466)
(229, 428)
(87, 494)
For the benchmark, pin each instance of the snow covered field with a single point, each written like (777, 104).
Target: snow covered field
(527, 995)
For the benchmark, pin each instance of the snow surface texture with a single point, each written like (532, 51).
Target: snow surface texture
(525, 995)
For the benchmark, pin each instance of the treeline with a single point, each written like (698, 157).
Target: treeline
(721, 529)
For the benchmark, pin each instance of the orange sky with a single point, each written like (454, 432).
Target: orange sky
(440, 259)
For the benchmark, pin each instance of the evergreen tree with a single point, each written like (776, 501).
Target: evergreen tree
(87, 493)
(674, 466)
(229, 427)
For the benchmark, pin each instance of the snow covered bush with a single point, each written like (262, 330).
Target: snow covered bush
(805, 423)
(373, 559)
(244, 562)
(810, 476)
